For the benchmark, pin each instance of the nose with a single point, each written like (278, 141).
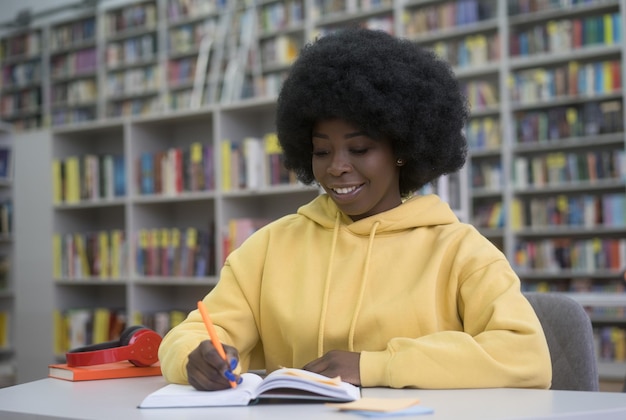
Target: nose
(339, 165)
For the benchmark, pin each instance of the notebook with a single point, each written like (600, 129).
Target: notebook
(285, 383)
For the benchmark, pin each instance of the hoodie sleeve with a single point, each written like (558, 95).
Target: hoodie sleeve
(502, 343)
(233, 311)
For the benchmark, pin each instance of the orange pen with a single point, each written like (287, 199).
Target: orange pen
(213, 334)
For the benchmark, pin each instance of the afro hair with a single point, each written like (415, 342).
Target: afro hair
(388, 87)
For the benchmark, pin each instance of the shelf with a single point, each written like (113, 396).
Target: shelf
(612, 370)
(599, 299)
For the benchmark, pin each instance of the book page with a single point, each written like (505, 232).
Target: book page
(302, 384)
(176, 395)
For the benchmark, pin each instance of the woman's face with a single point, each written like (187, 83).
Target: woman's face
(359, 173)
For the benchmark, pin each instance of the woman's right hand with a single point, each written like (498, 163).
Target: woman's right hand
(207, 371)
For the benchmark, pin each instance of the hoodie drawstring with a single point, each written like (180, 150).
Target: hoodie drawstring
(366, 268)
(320, 334)
(322, 325)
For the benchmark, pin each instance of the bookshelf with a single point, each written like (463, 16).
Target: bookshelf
(512, 61)
(74, 68)
(568, 180)
(134, 73)
(22, 102)
(7, 289)
(179, 150)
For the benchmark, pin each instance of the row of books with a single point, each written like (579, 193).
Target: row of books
(74, 63)
(586, 210)
(131, 51)
(281, 15)
(487, 175)
(186, 38)
(481, 94)
(23, 102)
(175, 252)
(560, 122)
(123, 106)
(6, 163)
(88, 177)
(99, 254)
(559, 168)
(580, 284)
(73, 115)
(583, 255)
(71, 34)
(133, 81)
(25, 44)
(187, 9)
(5, 272)
(557, 36)
(162, 321)
(470, 51)
(6, 217)
(74, 93)
(280, 50)
(21, 74)
(328, 7)
(131, 17)
(238, 230)
(268, 85)
(441, 16)
(176, 170)
(26, 121)
(520, 7)
(447, 188)
(179, 99)
(253, 163)
(610, 343)
(79, 327)
(488, 215)
(181, 72)
(573, 78)
(5, 323)
(483, 133)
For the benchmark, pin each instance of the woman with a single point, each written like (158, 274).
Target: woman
(367, 281)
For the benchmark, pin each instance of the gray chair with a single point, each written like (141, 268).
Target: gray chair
(570, 339)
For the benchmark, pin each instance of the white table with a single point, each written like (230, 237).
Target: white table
(117, 399)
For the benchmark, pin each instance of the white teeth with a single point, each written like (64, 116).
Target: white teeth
(344, 190)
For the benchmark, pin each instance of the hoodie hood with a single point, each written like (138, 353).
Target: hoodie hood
(417, 211)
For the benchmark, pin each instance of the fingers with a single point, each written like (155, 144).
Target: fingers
(337, 363)
(207, 371)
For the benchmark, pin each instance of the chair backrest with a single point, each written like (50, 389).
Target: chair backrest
(570, 339)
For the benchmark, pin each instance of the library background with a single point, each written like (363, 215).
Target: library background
(137, 149)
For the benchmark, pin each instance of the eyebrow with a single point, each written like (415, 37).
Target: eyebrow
(347, 136)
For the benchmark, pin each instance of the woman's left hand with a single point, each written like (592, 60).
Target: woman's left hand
(338, 363)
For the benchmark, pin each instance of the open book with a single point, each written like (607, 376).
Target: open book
(283, 383)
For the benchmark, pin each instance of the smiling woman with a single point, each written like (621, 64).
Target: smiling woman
(368, 281)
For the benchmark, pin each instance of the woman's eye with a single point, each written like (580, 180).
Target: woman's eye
(359, 151)
(319, 153)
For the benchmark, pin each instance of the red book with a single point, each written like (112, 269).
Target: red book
(577, 33)
(115, 370)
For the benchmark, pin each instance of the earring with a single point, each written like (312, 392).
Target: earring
(399, 162)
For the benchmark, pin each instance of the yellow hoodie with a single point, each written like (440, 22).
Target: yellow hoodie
(425, 299)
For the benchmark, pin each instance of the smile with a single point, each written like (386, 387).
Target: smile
(345, 190)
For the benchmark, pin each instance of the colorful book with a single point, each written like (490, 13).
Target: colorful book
(115, 370)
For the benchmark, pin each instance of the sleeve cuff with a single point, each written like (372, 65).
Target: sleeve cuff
(373, 366)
